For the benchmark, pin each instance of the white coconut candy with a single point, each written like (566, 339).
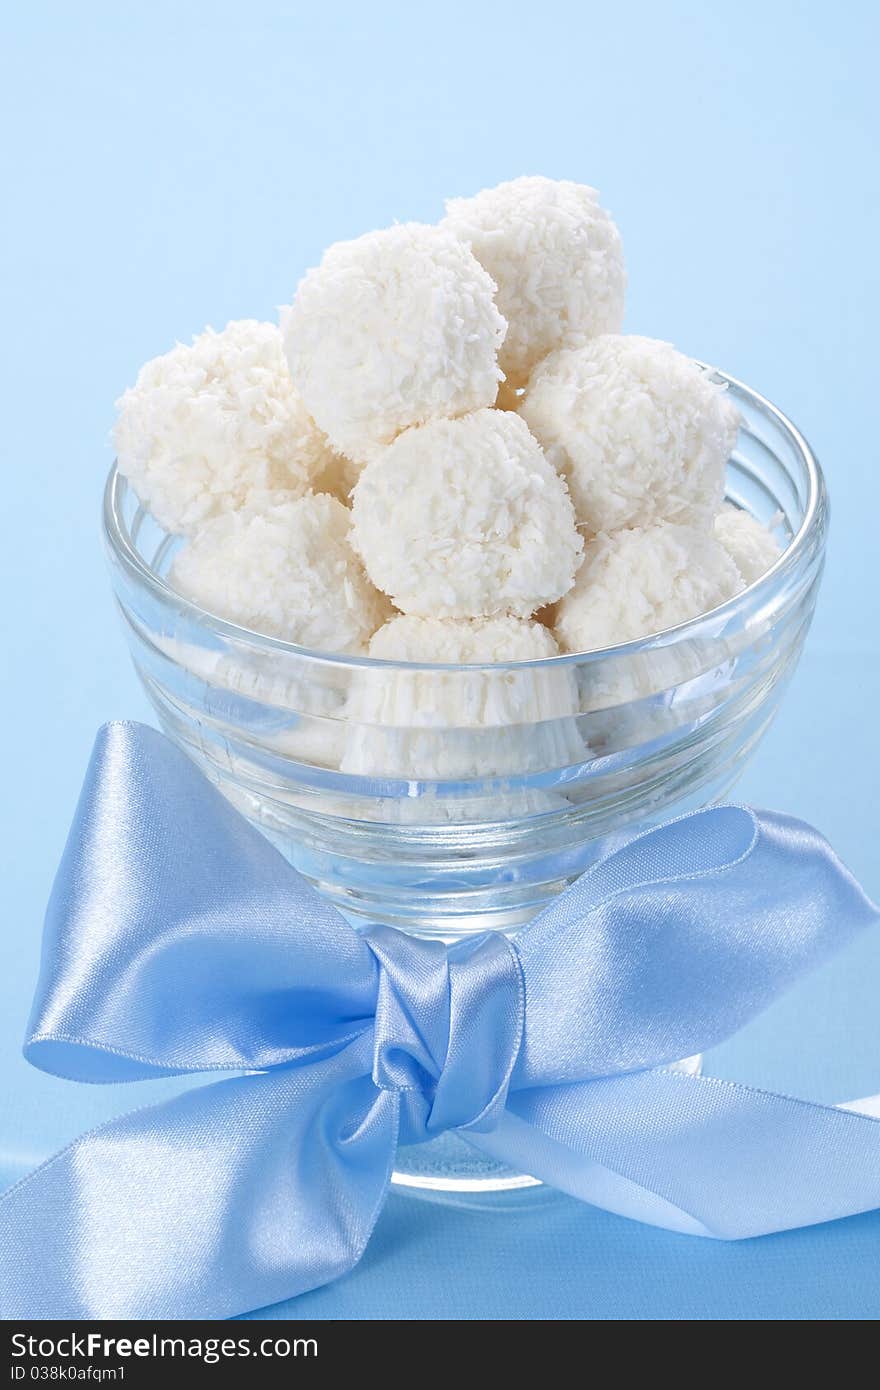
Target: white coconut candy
(751, 547)
(490, 721)
(208, 425)
(288, 571)
(391, 330)
(638, 582)
(290, 713)
(440, 641)
(640, 432)
(557, 259)
(466, 519)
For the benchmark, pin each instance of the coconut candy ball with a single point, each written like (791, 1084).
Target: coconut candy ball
(208, 425)
(466, 519)
(635, 583)
(288, 572)
(639, 431)
(489, 721)
(557, 259)
(751, 547)
(391, 330)
(286, 709)
(467, 641)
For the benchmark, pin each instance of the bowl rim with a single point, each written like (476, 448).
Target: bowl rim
(810, 531)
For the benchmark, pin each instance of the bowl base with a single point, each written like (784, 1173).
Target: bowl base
(449, 1168)
(449, 1165)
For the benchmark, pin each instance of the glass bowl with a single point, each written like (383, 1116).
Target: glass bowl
(451, 799)
(444, 800)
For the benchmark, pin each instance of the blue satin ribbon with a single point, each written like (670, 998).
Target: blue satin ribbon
(178, 941)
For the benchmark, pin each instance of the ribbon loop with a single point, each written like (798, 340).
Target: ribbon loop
(448, 1028)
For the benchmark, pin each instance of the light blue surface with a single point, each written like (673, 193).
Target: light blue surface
(171, 166)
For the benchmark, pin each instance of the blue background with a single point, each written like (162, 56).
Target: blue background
(168, 166)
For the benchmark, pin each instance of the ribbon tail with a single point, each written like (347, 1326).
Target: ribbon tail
(694, 1154)
(224, 1199)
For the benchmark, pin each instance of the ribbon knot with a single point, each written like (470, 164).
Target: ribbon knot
(448, 1028)
(177, 940)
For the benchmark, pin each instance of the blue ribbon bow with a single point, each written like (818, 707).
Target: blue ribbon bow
(179, 941)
